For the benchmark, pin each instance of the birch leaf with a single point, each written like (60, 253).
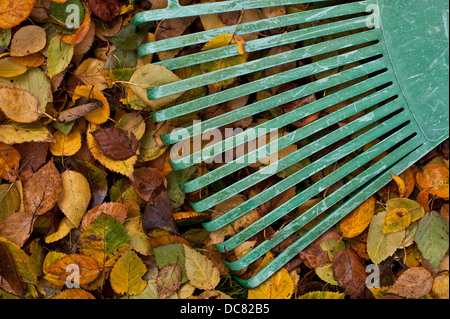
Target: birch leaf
(126, 276)
(200, 270)
(59, 56)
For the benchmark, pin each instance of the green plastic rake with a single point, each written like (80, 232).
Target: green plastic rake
(392, 64)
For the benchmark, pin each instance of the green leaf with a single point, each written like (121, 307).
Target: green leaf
(59, 56)
(9, 200)
(120, 59)
(381, 246)
(59, 11)
(105, 240)
(432, 238)
(410, 205)
(17, 133)
(174, 181)
(127, 39)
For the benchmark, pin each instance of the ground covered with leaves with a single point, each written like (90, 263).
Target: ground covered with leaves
(86, 184)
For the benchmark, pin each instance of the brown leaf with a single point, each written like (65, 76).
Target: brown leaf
(168, 280)
(9, 162)
(350, 272)
(313, 255)
(172, 28)
(106, 10)
(33, 156)
(9, 273)
(148, 182)
(158, 216)
(116, 210)
(115, 143)
(17, 227)
(414, 283)
(42, 190)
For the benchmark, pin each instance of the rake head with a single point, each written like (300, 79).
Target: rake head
(354, 93)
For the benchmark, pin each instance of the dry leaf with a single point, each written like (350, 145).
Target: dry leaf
(412, 284)
(168, 280)
(88, 267)
(148, 181)
(17, 227)
(115, 143)
(350, 272)
(9, 162)
(42, 190)
(19, 105)
(116, 210)
(28, 40)
(106, 10)
(126, 276)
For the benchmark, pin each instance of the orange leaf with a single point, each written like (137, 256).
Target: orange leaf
(79, 35)
(358, 220)
(434, 179)
(76, 293)
(116, 210)
(9, 162)
(400, 184)
(87, 265)
(13, 12)
(424, 200)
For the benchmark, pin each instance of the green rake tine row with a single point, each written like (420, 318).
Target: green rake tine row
(265, 43)
(287, 161)
(245, 28)
(262, 64)
(296, 136)
(245, 89)
(276, 123)
(408, 152)
(301, 154)
(279, 99)
(323, 184)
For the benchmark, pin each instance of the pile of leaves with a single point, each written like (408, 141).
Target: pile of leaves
(85, 180)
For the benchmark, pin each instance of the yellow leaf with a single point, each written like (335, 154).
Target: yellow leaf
(13, 12)
(19, 105)
(100, 115)
(322, 295)
(66, 145)
(88, 267)
(75, 196)
(10, 69)
(397, 220)
(401, 185)
(200, 270)
(89, 73)
(126, 276)
(17, 133)
(358, 220)
(51, 258)
(64, 228)
(123, 167)
(138, 239)
(278, 286)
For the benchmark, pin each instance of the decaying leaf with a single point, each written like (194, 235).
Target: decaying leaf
(12, 133)
(350, 272)
(42, 190)
(9, 162)
(168, 280)
(414, 283)
(9, 272)
(397, 220)
(148, 181)
(158, 219)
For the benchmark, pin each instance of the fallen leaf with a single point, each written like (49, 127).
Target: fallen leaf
(200, 270)
(17, 227)
(432, 238)
(9, 201)
(358, 220)
(75, 196)
(397, 220)
(19, 105)
(423, 199)
(410, 205)
(148, 181)
(96, 179)
(89, 73)
(64, 228)
(59, 56)
(115, 143)
(42, 190)
(28, 40)
(400, 184)
(350, 272)
(126, 276)
(66, 145)
(168, 280)
(9, 273)
(9, 162)
(106, 10)
(116, 210)
(139, 241)
(32, 156)
(75, 293)
(10, 69)
(89, 269)
(412, 284)
(381, 246)
(79, 35)
(99, 115)
(322, 295)
(435, 179)
(158, 219)
(13, 12)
